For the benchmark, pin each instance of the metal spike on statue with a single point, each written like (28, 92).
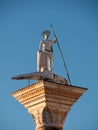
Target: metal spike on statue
(45, 62)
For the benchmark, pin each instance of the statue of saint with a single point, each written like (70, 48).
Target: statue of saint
(44, 63)
(45, 53)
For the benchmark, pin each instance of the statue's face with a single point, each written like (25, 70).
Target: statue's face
(46, 36)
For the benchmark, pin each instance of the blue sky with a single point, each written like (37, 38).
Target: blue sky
(76, 26)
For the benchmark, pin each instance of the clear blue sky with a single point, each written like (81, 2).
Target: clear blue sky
(76, 25)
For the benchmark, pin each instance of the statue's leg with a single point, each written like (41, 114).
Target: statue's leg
(40, 61)
(50, 60)
(43, 61)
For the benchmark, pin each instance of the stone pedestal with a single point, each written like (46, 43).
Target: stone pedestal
(48, 102)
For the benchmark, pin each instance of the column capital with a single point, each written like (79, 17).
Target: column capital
(48, 102)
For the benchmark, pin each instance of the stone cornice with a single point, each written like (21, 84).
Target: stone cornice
(48, 102)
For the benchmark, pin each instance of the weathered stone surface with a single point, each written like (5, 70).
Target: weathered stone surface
(46, 75)
(48, 102)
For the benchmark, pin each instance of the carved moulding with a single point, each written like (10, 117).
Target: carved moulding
(48, 102)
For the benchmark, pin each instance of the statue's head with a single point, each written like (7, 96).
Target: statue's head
(46, 34)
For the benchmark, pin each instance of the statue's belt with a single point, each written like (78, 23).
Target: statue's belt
(48, 50)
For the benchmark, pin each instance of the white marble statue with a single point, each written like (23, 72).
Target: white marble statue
(44, 63)
(45, 53)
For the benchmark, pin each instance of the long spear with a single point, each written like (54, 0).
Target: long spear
(61, 54)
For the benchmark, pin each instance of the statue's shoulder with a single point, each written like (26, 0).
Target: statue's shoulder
(46, 41)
